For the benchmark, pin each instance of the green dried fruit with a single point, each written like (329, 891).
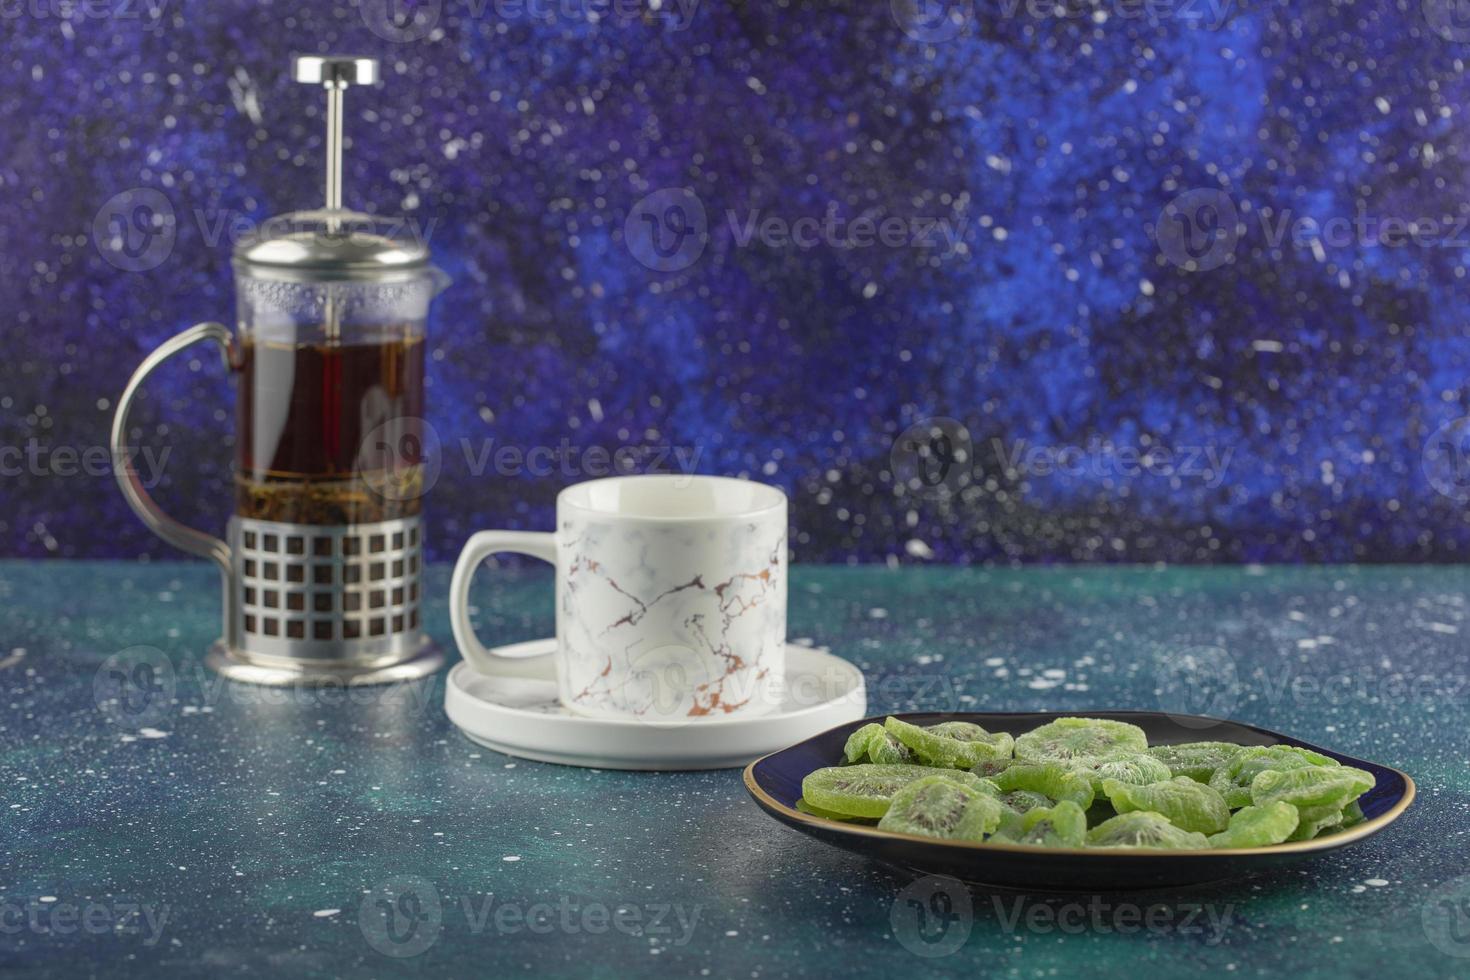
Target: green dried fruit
(1025, 800)
(866, 790)
(1063, 825)
(1144, 828)
(817, 811)
(1197, 760)
(1068, 739)
(937, 806)
(1017, 803)
(992, 767)
(1187, 804)
(1258, 826)
(951, 744)
(1138, 769)
(1312, 786)
(856, 749)
(1053, 780)
(873, 743)
(1233, 780)
(1313, 820)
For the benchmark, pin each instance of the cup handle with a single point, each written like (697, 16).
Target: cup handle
(502, 661)
(179, 535)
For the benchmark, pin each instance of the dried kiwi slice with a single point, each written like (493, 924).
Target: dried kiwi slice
(992, 767)
(1312, 787)
(937, 806)
(1054, 780)
(1067, 739)
(856, 749)
(951, 744)
(1313, 820)
(1025, 800)
(865, 790)
(817, 811)
(1197, 760)
(873, 743)
(1144, 828)
(1187, 804)
(1258, 826)
(1018, 803)
(1138, 769)
(1233, 780)
(1063, 825)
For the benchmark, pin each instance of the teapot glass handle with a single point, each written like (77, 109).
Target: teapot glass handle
(176, 534)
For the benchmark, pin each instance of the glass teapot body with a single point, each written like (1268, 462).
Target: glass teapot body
(323, 556)
(329, 417)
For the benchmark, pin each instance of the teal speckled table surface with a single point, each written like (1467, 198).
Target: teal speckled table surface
(221, 828)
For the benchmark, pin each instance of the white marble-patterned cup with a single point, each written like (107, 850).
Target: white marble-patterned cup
(670, 598)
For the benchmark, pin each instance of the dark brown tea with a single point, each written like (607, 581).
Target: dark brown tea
(330, 433)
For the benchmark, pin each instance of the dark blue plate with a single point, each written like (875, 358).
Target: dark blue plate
(775, 784)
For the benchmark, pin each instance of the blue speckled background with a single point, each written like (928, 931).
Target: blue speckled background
(1315, 363)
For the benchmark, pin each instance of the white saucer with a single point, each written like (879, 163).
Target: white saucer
(522, 717)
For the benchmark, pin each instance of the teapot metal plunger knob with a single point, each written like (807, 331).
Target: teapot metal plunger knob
(335, 73)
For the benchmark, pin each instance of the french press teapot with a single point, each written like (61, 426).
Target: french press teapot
(323, 558)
